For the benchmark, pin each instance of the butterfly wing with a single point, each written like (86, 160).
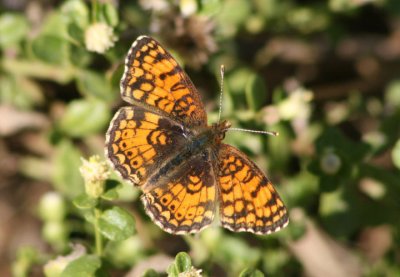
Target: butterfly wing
(138, 140)
(248, 200)
(185, 201)
(153, 79)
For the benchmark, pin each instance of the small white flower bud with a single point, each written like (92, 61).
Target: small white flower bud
(95, 172)
(188, 7)
(52, 207)
(99, 37)
(55, 232)
(192, 272)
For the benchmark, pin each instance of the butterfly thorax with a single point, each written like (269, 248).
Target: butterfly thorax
(218, 131)
(210, 136)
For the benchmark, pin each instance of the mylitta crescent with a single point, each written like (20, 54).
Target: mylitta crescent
(161, 142)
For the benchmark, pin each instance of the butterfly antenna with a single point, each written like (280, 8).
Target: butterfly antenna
(272, 133)
(222, 71)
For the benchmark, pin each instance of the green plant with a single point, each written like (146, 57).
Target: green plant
(322, 74)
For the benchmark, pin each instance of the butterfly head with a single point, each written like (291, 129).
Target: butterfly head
(219, 130)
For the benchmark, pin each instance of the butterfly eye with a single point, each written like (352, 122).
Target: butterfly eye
(220, 137)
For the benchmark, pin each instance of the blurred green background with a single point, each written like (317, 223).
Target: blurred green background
(324, 74)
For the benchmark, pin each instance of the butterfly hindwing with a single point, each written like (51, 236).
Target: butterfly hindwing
(139, 139)
(185, 201)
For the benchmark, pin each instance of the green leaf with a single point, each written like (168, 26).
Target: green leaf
(338, 214)
(130, 252)
(183, 262)
(85, 117)
(247, 272)
(128, 193)
(83, 201)
(55, 25)
(110, 13)
(233, 14)
(150, 273)
(338, 157)
(328, 182)
(93, 84)
(256, 92)
(392, 94)
(50, 49)
(79, 56)
(13, 28)
(20, 92)
(67, 178)
(116, 224)
(237, 80)
(307, 20)
(77, 12)
(172, 270)
(333, 138)
(278, 95)
(275, 261)
(89, 216)
(302, 190)
(24, 259)
(85, 266)
(116, 77)
(39, 70)
(112, 184)
(278, 151)
(234, 254)
(110, 195)
(209, 8)
(111, 190)
(396, 154)
(75, 31)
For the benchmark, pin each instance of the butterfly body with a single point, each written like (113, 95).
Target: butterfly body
(207, 141)
(162, 143)
(167, 169)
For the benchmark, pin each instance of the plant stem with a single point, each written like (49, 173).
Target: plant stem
(97, 235)
(94, 11)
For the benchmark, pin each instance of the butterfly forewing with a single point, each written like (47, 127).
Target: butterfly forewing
(153, 78)
(248, 200)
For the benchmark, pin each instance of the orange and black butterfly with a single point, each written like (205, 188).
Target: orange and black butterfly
(161, 142)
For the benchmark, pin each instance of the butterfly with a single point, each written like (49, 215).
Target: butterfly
(161, 142)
